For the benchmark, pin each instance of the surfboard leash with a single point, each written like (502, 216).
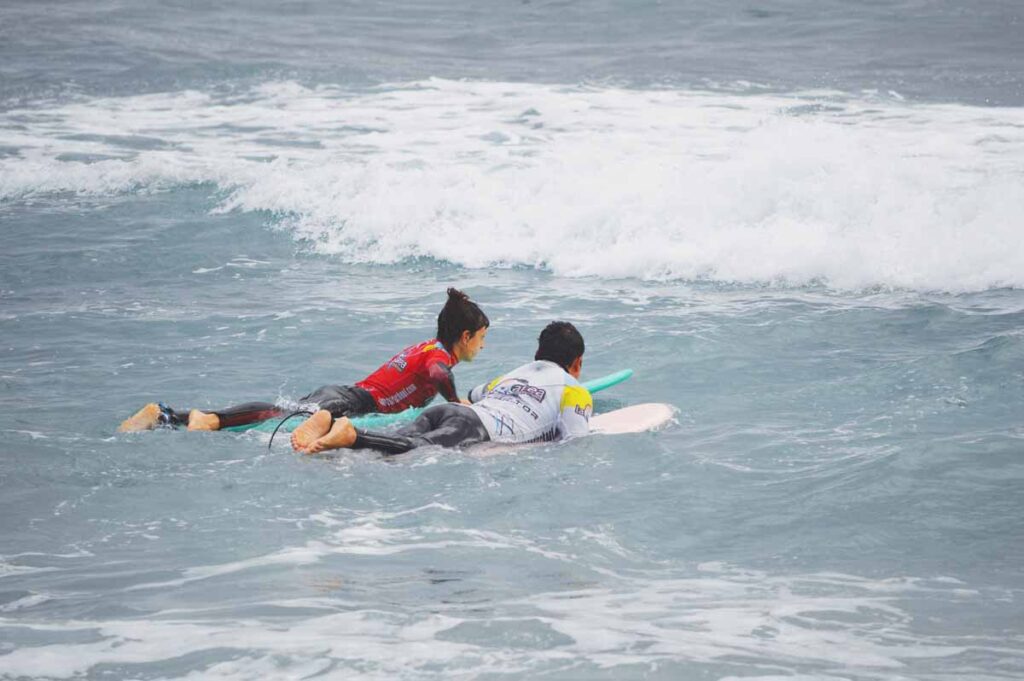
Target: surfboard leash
(294, 413)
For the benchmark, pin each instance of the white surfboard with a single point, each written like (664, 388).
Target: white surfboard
(634, 419)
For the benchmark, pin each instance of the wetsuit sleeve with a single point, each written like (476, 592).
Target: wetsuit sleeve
(480, 392)
(440, 374)
(576, 408)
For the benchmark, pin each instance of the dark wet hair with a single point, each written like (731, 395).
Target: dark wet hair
(560, 343)
(459, 314)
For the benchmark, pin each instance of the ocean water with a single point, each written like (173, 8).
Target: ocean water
(800, 223)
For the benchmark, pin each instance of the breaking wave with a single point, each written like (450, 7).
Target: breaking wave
(852, 191)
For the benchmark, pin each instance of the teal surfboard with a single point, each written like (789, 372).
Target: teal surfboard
(378, 420)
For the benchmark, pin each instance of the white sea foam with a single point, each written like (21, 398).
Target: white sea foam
(855, 191)
(817, 625)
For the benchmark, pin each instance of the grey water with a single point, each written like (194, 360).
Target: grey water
(799, 223)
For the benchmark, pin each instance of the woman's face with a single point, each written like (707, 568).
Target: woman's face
(470, 344)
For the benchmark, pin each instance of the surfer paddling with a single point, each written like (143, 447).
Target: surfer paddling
(409, 379)
(539, 401)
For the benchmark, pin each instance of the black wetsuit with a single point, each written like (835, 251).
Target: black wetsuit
(409, 379)
(447, 425)
(340, 400)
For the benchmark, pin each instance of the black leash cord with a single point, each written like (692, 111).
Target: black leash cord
(294, 413)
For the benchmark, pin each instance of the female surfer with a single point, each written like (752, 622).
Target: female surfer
(409, 379)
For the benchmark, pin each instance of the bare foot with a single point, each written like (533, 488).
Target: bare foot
(144, 419)
(315, 427)
(342, 434)
(198, 420)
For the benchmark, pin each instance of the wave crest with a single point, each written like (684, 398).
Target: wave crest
(750, 187)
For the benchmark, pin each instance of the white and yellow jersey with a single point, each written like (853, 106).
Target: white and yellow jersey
(537, 401)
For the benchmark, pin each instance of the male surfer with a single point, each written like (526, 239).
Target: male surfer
(541, 400)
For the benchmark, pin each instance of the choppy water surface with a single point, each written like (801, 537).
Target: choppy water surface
(815, 256)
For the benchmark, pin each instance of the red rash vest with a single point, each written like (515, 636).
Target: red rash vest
(412, 378)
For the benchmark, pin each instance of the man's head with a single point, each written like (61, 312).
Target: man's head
(562, 344)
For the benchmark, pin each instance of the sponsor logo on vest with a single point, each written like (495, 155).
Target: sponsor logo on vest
(522, 388)
(397, 397)
(399, 362)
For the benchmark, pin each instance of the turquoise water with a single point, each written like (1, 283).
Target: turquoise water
(816, 256)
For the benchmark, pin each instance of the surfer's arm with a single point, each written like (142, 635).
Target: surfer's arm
(480, 392)
(576, 408)
(440, 374)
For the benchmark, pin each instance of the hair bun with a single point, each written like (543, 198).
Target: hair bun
(456, 294)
